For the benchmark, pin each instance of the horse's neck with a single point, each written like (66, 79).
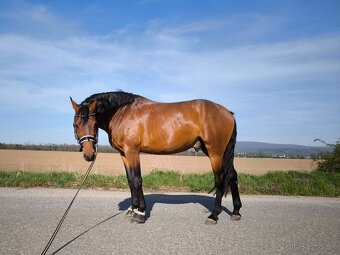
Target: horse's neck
(103, 122)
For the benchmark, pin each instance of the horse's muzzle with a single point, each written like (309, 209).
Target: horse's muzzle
(90, 151)
(90, 157)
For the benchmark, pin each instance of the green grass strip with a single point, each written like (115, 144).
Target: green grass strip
(291, 183)
(273, 183)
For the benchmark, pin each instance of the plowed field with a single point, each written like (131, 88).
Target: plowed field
(111, 164)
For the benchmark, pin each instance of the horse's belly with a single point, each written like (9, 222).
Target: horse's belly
(165, 149)
(169, 143)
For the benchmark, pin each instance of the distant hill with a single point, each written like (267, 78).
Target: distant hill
(258, 149)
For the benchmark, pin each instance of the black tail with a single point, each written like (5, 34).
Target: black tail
(228, 162)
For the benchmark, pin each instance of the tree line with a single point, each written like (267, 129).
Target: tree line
(108, 149)
(50, 147)
(71, 148)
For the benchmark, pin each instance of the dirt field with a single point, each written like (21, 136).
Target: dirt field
(111, 164)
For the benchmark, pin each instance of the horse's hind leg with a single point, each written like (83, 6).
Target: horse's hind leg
(236, 197)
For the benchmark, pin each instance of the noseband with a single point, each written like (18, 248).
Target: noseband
(88, 138)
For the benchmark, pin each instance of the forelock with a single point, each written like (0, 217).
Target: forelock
(83, 112)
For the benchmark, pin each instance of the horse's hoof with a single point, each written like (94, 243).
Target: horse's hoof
(210, 221)
(137, 217)
(235, 217)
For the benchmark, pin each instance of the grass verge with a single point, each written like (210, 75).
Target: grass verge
(273, 183)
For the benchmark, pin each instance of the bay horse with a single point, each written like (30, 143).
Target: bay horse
(135, 124)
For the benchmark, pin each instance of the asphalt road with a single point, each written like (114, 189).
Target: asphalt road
(175, 225)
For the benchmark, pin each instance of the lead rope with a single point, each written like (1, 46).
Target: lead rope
(68, 208)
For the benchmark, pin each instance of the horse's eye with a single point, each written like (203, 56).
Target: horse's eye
(75, 126)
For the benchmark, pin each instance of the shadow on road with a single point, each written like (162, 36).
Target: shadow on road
(152, 199)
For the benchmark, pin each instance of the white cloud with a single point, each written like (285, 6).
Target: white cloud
(171, 63)
(82, 65)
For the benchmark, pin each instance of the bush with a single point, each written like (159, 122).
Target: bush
(329, 161)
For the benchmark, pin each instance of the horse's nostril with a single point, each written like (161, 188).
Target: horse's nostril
(89, 158)
(89, 154)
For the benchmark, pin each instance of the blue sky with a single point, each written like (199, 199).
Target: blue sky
(276, 64)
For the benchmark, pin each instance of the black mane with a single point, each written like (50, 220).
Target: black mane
(109, 101)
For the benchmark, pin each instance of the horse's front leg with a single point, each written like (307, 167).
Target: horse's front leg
(132, 166)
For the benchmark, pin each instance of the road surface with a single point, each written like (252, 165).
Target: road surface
(175, 225)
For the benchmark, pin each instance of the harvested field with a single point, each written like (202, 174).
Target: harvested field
(111, 164)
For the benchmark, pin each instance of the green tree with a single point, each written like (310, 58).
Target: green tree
(329, 161)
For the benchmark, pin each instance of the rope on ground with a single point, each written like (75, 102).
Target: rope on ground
(67, 210)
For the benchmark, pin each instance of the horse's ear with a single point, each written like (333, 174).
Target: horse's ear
(75, 105)
(93, 106)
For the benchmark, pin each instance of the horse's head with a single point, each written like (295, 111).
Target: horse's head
(85, 128)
